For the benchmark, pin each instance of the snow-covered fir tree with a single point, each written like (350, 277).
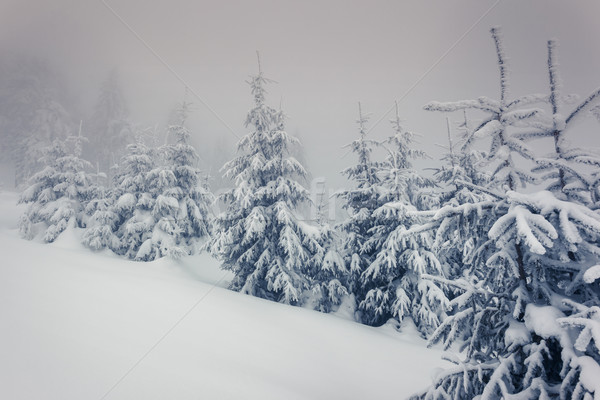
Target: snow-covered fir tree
(391, 285)
(329, 277)
(463, 168)
(58, 193)
(120, 216)
(360, 201)
(191, 190)
(178, 200)
(398, 179)
(462, 179)
(524, 297)
(159, 204)
(525, 310)
(259, 237)
(102, 221)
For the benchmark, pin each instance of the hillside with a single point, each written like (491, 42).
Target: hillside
(75, 322)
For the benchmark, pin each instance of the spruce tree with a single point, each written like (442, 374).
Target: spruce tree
(120, 215)
(259, 237)
(391, 285)
(462, 178)
(525, 309)
(177, 200)
(329, 275)
(59, 192)
(360, 201)
(191, 190)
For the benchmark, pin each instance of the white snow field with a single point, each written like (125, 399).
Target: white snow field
(83, 325)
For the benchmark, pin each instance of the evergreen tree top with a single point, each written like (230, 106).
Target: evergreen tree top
(364, 173)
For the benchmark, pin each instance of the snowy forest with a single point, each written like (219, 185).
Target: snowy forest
(492, 250)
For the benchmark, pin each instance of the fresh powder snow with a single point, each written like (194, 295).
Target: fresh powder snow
(76, 323)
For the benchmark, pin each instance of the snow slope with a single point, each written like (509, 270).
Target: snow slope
(84, 325)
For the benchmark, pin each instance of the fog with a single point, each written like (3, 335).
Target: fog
(324, 56)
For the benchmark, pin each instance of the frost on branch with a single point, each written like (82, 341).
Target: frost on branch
(503, 114)
(565, 167)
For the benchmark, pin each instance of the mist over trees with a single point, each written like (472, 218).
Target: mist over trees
(33, 113)
(109, 128)
(495, 255)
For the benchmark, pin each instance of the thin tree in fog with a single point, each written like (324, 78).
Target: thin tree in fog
(110, 129)
(360, 201)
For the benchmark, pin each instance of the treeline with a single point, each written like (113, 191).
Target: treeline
(496, 253)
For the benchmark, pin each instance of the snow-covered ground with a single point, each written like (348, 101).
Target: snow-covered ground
(82, 325)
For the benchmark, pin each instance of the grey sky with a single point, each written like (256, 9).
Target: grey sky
(325, 56)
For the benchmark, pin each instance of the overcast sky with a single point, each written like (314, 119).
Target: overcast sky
(325, 56)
